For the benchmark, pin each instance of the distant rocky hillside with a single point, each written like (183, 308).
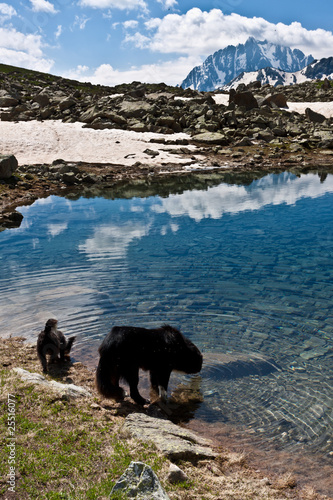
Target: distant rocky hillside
(256, 113)
(226, 64)
(317, 70)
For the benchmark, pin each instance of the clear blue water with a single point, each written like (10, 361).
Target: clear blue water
(242, 270)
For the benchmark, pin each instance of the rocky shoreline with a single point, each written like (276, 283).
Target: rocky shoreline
(248, 131)
(207, 468)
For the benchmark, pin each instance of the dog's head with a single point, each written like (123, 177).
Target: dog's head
(51, 324)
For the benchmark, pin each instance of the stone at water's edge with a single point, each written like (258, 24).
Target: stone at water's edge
(8, 165)
(173, 441)
(69, 390)
(140, 481)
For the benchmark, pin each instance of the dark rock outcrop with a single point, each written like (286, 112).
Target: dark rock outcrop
(245, 99)
(8, 165)
(313, 116)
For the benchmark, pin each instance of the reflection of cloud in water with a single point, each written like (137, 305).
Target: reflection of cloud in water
(271, 190)
(41, 297)
(56, 229)
(63, 291)
(112, 240)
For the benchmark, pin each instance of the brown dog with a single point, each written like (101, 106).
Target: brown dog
(52, 342)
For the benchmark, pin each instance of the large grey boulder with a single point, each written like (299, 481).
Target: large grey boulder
(211, 138)
(8, 165)
(313, 116)
(90, 114)
(140, 481)
(42, 99)
(278, 100)
(66, 103)
(245, 99)
(172, 441)
(6, 100)
(136, 109)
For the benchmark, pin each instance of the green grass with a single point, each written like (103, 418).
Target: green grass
(66, 452)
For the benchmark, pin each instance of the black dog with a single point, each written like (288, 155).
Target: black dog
(126, 349)
(53, 342)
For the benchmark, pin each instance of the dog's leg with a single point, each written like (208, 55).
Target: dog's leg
(54, 351)
(132, 378)
(42, 359)
(154, 382)
(163, 381)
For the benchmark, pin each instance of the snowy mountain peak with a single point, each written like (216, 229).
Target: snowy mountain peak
(317, 70)
(226, 64)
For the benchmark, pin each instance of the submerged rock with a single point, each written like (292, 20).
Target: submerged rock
(232, 366)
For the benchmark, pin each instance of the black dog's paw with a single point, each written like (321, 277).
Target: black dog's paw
(142, 401)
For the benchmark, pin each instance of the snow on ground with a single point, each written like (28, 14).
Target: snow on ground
(325, 108)
(43, 142)
(221, 99)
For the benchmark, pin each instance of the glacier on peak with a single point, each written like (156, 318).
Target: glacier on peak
(226, 64)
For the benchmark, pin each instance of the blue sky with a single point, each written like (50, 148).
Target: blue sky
(115, 41)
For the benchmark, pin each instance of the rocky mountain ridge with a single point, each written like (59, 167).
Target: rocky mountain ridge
(226, 64)
(317, 70)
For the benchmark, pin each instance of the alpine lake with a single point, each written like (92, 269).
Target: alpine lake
(243, 268)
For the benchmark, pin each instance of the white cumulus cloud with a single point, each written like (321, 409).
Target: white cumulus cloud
(171, 72)
(6, 12)
(22, 50)
(168, 4)
(201, 33)
(80, 22)
(140, 41)
(58, 31)
(114, 4)
(43, 6)
(130, 24)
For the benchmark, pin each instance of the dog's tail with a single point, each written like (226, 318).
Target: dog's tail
(69, 344)
(107, 381)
